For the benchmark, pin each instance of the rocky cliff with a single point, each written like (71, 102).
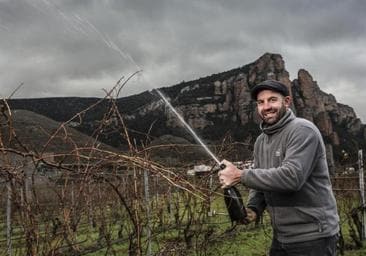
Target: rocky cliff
(216, 107)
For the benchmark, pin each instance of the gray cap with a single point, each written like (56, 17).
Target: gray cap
(269, 85)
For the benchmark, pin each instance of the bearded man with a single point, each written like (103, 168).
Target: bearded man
(290, 178)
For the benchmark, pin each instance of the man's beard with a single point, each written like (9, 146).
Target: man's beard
(279, 113)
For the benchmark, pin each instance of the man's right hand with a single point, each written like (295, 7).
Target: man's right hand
(230, 175)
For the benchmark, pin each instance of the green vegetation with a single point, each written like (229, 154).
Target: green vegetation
(179, 225)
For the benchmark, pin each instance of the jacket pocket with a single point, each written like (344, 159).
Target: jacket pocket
(292, 221)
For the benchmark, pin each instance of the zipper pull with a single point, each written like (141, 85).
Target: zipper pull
(320, 228)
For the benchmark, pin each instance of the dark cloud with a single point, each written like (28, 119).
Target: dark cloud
(76, 48)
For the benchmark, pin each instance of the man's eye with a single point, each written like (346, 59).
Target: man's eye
(273, 99)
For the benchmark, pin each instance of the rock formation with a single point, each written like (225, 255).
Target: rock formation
(217, 107)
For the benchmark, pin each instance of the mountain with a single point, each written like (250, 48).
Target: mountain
(26, 132)
(218, 107)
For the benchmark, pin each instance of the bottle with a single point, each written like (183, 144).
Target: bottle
(235, 206)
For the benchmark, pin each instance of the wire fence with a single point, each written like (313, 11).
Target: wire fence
(132, 211)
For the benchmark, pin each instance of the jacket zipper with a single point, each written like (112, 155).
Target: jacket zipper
(320, 228)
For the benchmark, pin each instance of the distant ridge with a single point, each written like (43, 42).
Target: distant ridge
(31, 132)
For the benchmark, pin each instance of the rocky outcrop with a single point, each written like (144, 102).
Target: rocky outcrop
(311, 103)
(337, 122)
(226, 97)
(221, 104)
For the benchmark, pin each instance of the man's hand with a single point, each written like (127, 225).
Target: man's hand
(229, 176)
(251, 215)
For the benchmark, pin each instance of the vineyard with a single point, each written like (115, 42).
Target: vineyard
(93, 200)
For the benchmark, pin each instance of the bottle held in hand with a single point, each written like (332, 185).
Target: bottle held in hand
(234, 204)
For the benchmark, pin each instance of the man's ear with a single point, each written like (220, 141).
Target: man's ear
(288, 101)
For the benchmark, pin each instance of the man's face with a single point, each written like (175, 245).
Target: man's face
(272, 106)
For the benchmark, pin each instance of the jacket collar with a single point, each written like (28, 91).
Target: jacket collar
(274, 128)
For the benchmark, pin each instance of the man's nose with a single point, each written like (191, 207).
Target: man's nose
(266, 105)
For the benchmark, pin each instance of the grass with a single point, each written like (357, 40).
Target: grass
(243, 240)
(192, 233)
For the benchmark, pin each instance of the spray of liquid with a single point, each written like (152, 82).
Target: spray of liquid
(86, 28)
(187, 126)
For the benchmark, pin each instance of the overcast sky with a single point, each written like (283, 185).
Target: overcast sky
(77, 48)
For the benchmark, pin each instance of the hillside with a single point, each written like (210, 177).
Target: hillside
(27, 132)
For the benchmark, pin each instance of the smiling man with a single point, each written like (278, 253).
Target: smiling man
(271, 105)
(290, 178)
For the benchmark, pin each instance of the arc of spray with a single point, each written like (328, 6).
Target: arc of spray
(81, 24)
(187, 126)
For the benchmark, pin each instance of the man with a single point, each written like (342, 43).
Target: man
(290, 178)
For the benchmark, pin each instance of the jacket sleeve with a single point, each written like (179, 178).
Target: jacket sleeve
(256, 201)
(300, 156)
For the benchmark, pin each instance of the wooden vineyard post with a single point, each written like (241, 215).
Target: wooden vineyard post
(147, 201)
(362, 193)
(8, 218)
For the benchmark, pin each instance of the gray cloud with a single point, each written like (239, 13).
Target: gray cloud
(76, 48)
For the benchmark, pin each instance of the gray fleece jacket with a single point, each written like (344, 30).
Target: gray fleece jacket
(291, 180)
